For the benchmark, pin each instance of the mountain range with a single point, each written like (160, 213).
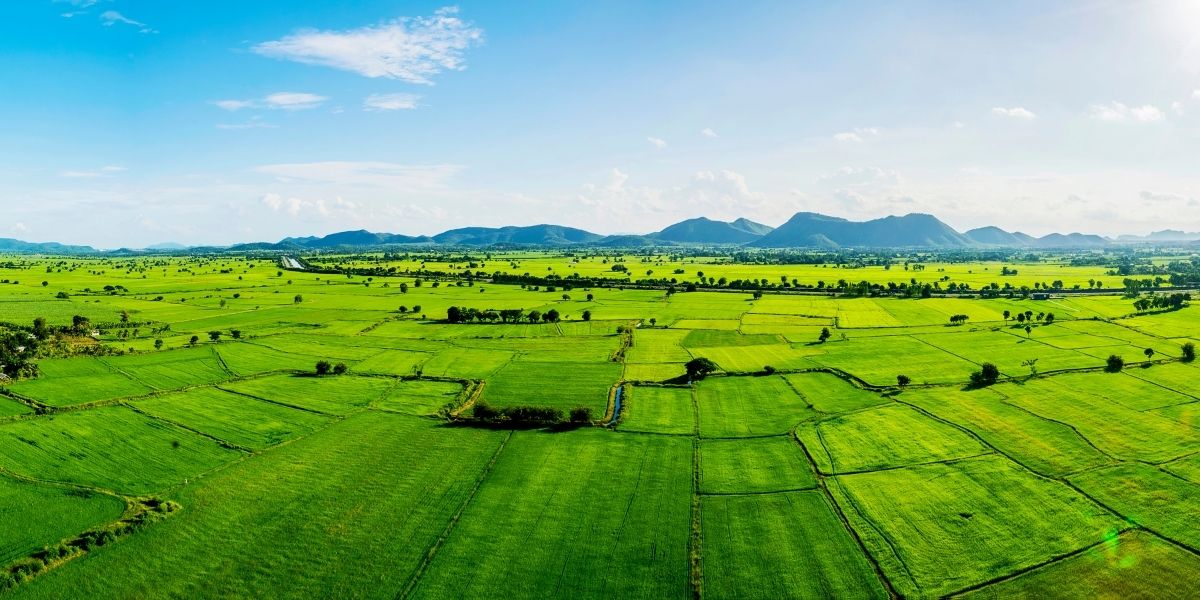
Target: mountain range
(803, 230)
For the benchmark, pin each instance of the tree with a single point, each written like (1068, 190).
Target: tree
(1007, 315)
(1189, 352)
(403, 288)
(987, 374)
(697, 368)
(1114, 364)
(1032, 364)
(195, 339)
(534, 316)
(298, 299)
(235, 334)
(40, 329)
(590, 297)
(454, 314)
(403, 309)
(903, 380)
(1049, 318)
(587, 315)
(551, 316)
(769, 370)
(1149, 352)
(323, 367)
(653, 321)
(158, 344)
(1028, 331)
(824, 335)
(581, 414)
(340, 368)
(214, 335)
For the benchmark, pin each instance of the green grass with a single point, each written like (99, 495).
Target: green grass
(935, 529)
(1150, 497)
(65, 382)
(560, 385)
(322, 517)
(829, 393)
(658, 410)
(628, 496)
(9, 408)
(749, 406)
(232, 417)
(781, 546)
(1133, 565)
(1044, 445)
(420, 397)
(331, 394)
(172, 370)
(888, 436)
(39, 515)
(754, 465)
(701, 338)
(114, 448)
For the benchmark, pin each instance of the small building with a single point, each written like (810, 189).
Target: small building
(1041, 296)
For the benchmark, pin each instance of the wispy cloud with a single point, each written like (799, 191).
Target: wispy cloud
(80, 7)
(381, 102)
(109, 18)
(1015, 112)
(657, 142)
(106, 171)
(1117, 112)
(276, 101)
(708, 132)
(857, 136)
(412, 49)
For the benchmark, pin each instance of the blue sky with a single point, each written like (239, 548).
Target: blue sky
(130, 122)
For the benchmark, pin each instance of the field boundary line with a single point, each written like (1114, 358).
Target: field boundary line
(226, 443)
(696, 537)
(823, 486)
(812, 488)
(1026, 570)
(437, 544)
(277, 402)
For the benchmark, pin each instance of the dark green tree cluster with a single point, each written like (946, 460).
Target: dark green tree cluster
(1162, 302)
(985, 376)
(521, 415)
(460, 314)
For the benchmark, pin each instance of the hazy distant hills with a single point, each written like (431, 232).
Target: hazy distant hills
(803, 230)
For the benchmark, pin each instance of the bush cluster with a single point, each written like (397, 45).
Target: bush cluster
(529, 415)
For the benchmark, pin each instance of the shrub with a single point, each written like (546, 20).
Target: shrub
(769, 370)
(1114, 364)
(340, 369)
(903, 380)
(323, 367)
(986, 375)
(484, 411)
(1189, 352)
(581, 414)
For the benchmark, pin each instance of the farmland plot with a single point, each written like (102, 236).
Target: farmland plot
(658, 410)
(749, 406)
(772, 464)
(967, 522)
(233, 418)
(628, 495)
(36, 516)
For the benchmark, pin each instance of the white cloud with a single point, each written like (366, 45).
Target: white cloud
(708, 132)
(1177, 108)
(409, 49)
(293, 100)
(106, 171)
(109, 18)
(1116, 112)
(959, 124)
(1195, 94)
(276, 101)
(657, 142)
(379, 102)
(856, 136)
(1015, 112)
(391, 176)
(300, 207)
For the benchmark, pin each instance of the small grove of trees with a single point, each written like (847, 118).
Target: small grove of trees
(459, 314)
(324, 367)
(958, 319)
(987, 374)
(698, 368)
(1162, 302)
(526, 415)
